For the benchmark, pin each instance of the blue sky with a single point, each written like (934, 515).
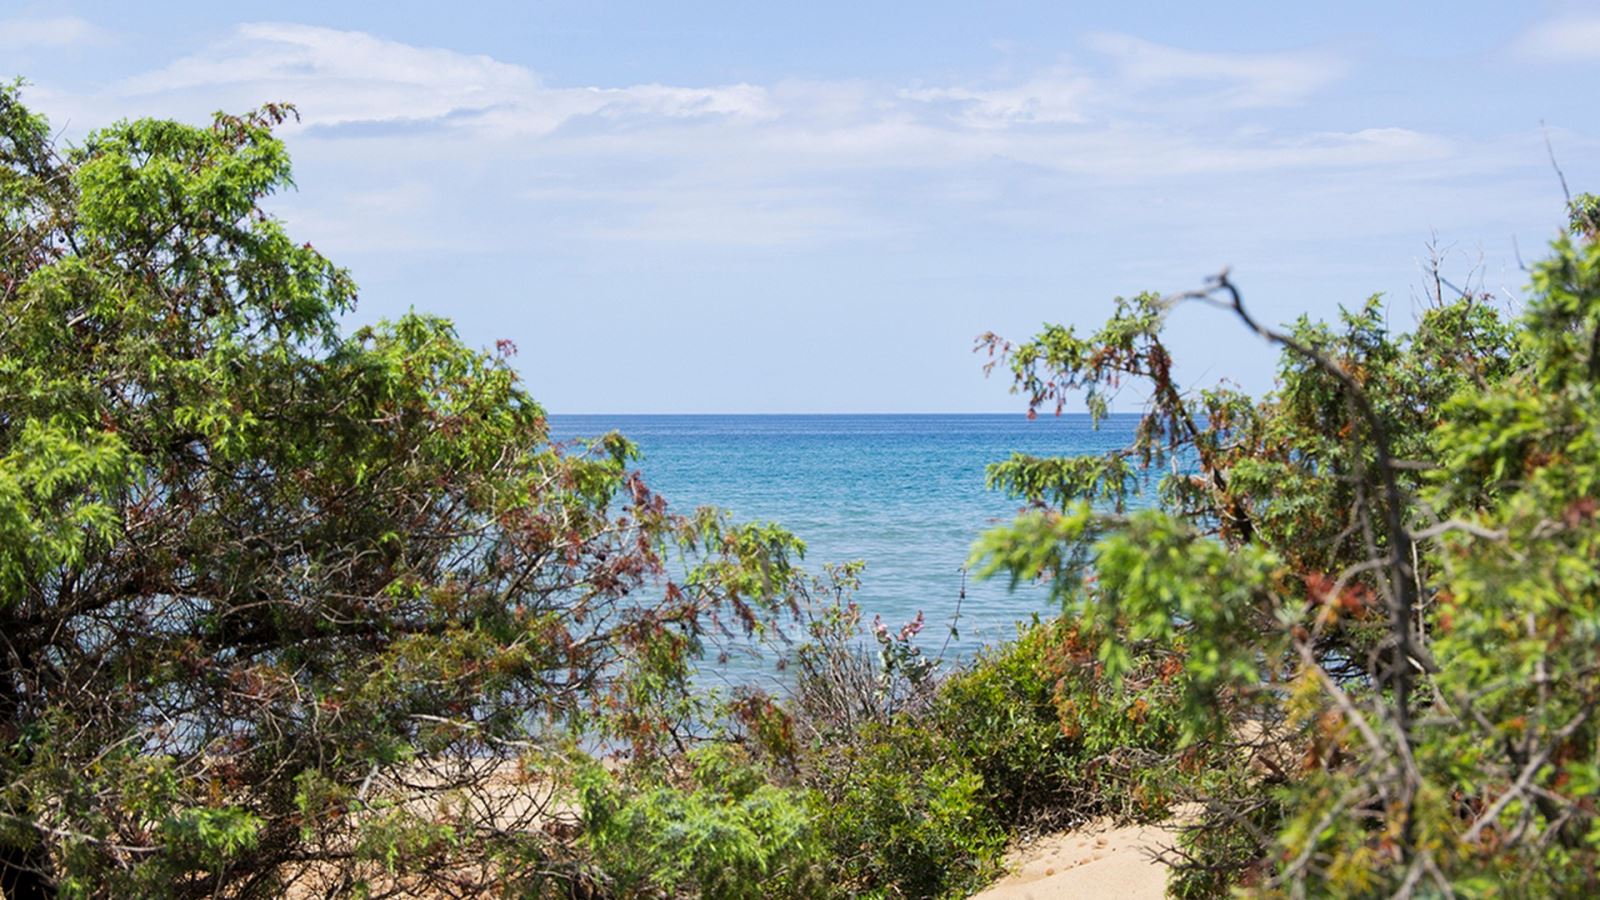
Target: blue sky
(736, 207)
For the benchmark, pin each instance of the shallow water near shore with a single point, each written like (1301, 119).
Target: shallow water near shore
(904, 493)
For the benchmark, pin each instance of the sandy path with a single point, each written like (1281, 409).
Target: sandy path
(1096, 861)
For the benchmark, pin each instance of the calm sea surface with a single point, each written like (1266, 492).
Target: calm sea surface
(904, 493)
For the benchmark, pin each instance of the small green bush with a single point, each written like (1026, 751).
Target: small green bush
(1057, 742)
(1030, 735)
(905, 814)
(727, 833)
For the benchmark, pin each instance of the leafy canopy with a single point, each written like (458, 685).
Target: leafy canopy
(1381, 578)
(278, 601)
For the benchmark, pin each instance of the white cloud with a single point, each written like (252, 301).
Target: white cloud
(1242, 79)
(1574, 39)
(351, 79)
(47, 34)
(268, 51)
(683, 103)
(424, 138)
(1055, 97)
(355, 80)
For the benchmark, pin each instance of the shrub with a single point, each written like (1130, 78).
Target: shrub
(921, 800)
(1057, 742)
(723, 833)
(904, 814)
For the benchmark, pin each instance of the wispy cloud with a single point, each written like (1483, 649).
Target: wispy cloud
(740, 164)
(347, 78)
(1567, 39)
(1239, 80)
(1054, 97)
(48, 33)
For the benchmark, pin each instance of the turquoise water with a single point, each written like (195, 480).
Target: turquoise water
(904, 493)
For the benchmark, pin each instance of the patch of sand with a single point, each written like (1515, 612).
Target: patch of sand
(1096, 861)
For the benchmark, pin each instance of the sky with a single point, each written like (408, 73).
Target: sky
(816, 207)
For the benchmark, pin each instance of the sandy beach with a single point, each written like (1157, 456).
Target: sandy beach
(1097, 860)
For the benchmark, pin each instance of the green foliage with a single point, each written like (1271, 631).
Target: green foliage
(1054, 737)
(209, 837)
(725, 834)
(267, 587)
(918, 797)
(1380, 580)
(1583, 213)
(884, 780)
(905, 815)
(1156, 585)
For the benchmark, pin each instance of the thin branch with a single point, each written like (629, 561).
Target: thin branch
(1433, 531)
(1551, 150)
(1532, 768)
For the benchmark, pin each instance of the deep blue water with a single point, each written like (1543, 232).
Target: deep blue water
(904, 493)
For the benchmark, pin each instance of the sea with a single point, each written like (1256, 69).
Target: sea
(903, 494)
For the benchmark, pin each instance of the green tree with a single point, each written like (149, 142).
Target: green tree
(1382, 579)
(278, 601)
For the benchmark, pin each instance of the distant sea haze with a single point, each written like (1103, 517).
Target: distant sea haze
(904, 493)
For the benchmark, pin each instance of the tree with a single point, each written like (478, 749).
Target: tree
(1381, 577)
(278, 601)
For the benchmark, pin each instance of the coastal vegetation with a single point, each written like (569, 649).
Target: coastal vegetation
(291, 609)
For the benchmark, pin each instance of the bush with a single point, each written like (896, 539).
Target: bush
(1057, 742)
(724, 833)
(921, 800)
(904, 814)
